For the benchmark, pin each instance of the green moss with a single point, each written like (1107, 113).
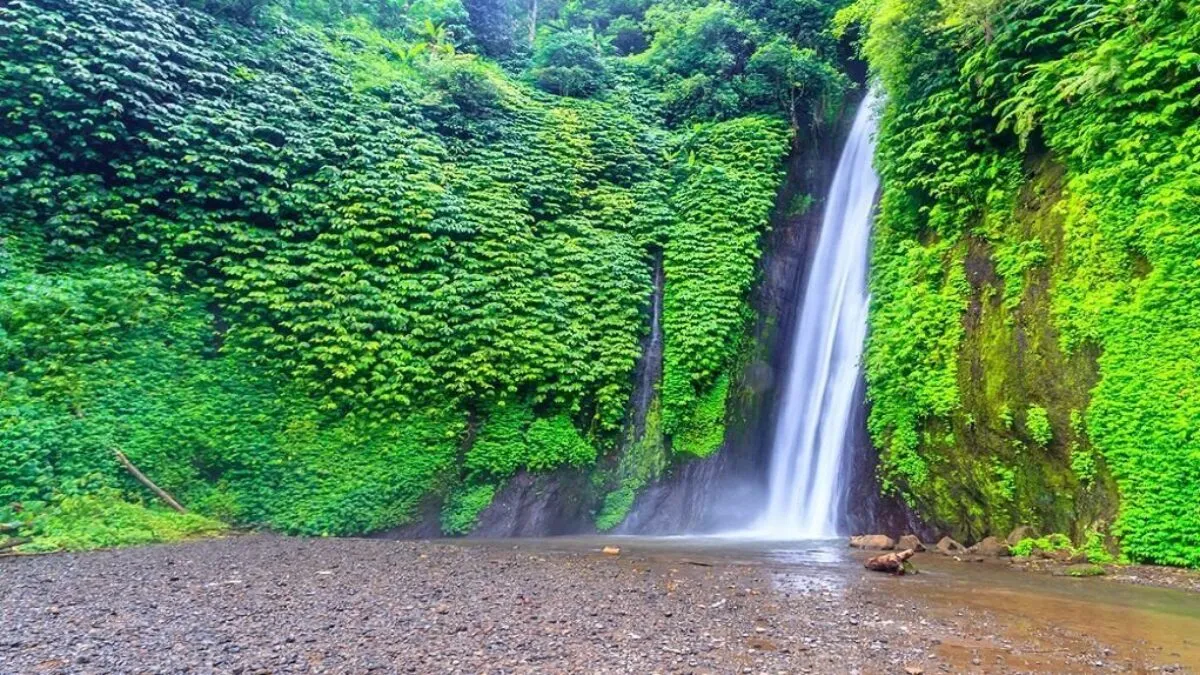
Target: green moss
(1083, 464)
(1093, 277)
(724, 195)
(643, 460)
(555, 442)
(1085, 571)
(616, 507)
(1013, 260)
(499, 448)
(1096, 549)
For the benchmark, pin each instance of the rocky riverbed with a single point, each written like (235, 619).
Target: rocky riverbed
(266, 604)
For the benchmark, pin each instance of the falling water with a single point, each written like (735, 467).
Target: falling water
(806, 487)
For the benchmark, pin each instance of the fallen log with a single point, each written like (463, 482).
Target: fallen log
(14, 542)
(141, 477)
(892, 563)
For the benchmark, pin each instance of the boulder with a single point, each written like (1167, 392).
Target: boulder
(1019, 533)
(873, 542)
(947, 546)
(910, 541)
(990, 547)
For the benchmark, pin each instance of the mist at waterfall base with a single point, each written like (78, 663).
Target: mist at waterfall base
(807, 475)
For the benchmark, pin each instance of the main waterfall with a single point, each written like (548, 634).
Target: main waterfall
(807, 484)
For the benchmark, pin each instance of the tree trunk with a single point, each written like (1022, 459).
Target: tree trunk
(533, 12)
(14, 542)
(893, 563)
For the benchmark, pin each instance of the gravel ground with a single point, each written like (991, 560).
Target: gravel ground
(267, 604)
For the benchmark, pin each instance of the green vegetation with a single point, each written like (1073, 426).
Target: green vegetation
(462, 508)
(1037, 243)
(103, 520)
(1094, 549)
(310, 264)
(307, 263)
(1048, 544)
(1085, 571)
(1037, 423)
(644, 460)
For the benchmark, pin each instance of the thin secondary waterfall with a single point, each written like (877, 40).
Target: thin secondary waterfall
(806, 488)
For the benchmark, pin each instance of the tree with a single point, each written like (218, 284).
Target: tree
(568, 63)
(492, 25)
(794, 79)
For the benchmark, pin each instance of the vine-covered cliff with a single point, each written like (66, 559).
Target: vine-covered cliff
(311, 265)
(1034, 350)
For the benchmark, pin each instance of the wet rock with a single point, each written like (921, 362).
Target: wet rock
(1082, 570)
(873, 542)
(1019, 533)
(910, 541)
(990, 547)
(947, 546)
(1061, 555)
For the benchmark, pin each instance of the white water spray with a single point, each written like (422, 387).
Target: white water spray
(807, 485)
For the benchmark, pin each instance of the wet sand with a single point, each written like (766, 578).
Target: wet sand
(271, 604)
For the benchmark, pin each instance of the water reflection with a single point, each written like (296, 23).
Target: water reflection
(1056, 614)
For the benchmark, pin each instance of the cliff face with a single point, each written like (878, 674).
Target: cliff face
(1015, 451)
(1033, 340)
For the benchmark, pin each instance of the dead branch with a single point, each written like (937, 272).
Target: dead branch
(15, 541)
(894, 563)
(162, 494)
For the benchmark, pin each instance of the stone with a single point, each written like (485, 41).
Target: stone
(1061, 555)
(910, 541)
(1082, 570)
(1019, 533)
(990, 547)
(873, 542)
(611, 550)
(947, 546)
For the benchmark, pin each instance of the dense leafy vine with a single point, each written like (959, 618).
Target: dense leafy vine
(281, 255)
(1109, 89)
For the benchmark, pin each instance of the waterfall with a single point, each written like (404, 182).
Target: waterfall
(807, 483)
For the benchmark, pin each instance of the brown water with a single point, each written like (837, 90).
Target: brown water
(981, 614)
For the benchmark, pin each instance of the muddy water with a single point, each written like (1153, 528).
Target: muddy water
(979, 615)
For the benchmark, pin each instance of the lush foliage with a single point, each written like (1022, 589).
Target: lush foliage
(462, 508)
(725, 191)
(1049, 544)
(105, 520)
(305, 262)
(644, 460)
(1109, 90)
